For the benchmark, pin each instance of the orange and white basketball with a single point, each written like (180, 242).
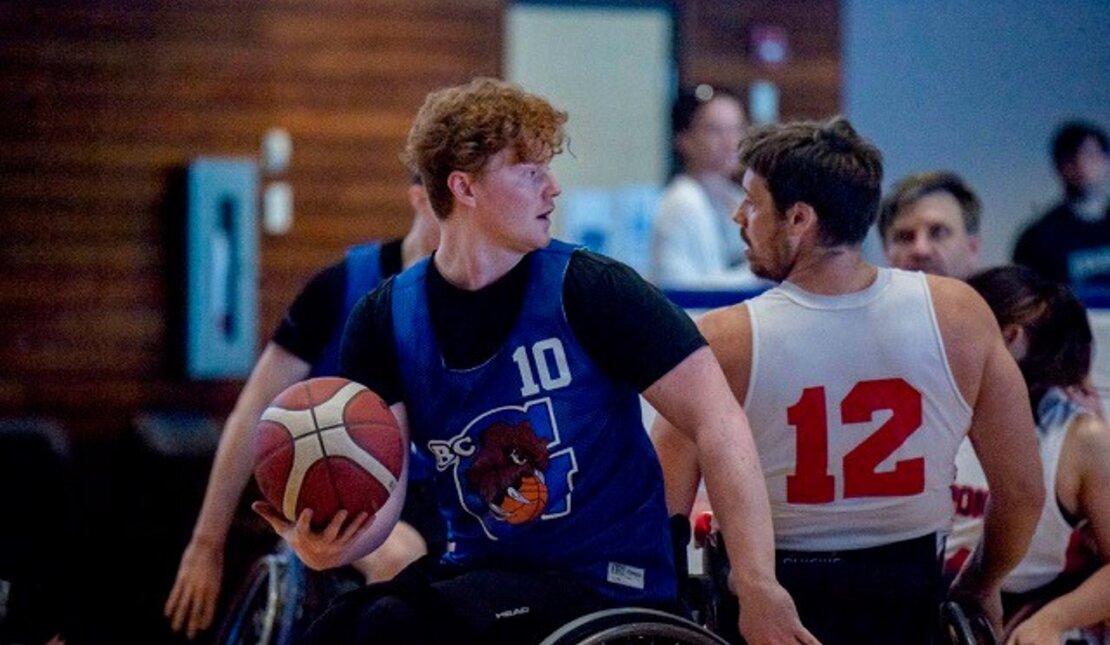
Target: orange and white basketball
(328, 444)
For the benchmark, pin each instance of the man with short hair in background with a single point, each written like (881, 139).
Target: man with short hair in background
(930, 222)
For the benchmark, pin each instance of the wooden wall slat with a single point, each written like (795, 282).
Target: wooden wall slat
(84, 288)
(235, 60)
(202, 93)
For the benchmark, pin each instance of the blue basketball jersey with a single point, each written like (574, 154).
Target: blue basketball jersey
(541, 460)
(364, 273)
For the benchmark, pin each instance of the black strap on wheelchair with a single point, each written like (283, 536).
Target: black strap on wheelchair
(680, 537)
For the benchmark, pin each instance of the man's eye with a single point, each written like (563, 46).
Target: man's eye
(939, 232)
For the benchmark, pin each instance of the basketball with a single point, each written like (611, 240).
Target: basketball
(327, 444)
(527, 504)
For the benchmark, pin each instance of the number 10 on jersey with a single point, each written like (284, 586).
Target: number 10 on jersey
(550, 360)
(811, 482)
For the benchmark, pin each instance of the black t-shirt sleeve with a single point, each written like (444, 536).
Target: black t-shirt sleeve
(313, 318)
(630, 329)
(367, 354)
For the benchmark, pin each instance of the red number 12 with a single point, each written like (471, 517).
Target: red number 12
(811, 482)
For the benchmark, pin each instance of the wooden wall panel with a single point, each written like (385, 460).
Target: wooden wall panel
(101, 101)
(715, 44)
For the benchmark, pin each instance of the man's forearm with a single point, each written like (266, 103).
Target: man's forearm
(1008, 526)
(738, 494)
(679, 460)
(231, 470)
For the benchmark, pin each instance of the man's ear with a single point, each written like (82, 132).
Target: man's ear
(973, 241)
(801, 217)
(461, 185)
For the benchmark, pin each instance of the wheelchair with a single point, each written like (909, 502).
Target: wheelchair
(267, 608)
(632, 625)
(278, 600)
(957, 623)
(645, 626)
(281, 596)
(962, 627)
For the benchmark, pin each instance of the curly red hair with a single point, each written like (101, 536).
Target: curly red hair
(461, 127)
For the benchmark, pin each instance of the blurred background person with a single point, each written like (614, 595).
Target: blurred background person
(1071, 242)
(1055, 591)
(306, 344)
(693, 242)
(930, 222)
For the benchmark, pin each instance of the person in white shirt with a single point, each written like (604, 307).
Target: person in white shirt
(692, 244)
(1055, 593)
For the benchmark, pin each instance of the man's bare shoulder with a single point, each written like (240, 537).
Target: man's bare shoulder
(729, 333)
(1083, 474)
(957, 305)
(726, 325)
(968, 330)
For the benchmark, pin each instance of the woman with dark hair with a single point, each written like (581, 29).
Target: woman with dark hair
(694, 242)
(1051, 597)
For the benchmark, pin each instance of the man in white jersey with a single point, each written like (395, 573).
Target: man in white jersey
(860, 384)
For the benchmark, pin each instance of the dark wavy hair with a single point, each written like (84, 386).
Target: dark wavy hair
(824, 164)
(1055, 323)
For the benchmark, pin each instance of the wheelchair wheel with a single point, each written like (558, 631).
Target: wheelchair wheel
(631, 625)
(267, 608)
(958, 627)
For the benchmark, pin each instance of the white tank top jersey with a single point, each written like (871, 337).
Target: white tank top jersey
(855, 413)
(969, 496)
(1048, 555)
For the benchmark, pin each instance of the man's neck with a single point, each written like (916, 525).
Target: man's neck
(833, 271)
(470, 261)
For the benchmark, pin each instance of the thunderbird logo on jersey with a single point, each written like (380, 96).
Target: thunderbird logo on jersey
(509, 469)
